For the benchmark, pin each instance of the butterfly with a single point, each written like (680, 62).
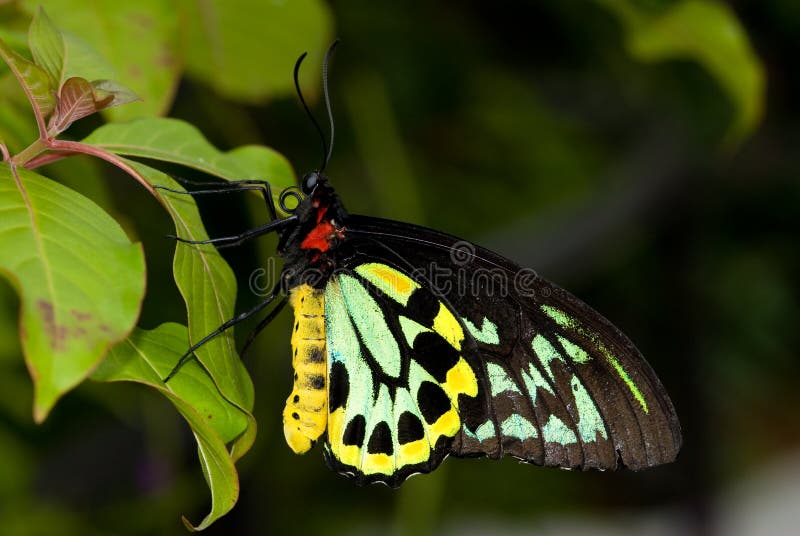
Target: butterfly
(410, 345)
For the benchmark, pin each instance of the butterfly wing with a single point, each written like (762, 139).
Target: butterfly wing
(557, 384)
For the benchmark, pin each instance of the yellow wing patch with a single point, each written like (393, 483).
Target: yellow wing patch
(447, 425)
(461, 380)
(412, 453)
(446, 325)
(396, 285)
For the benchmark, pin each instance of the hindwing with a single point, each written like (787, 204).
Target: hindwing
(396, 373)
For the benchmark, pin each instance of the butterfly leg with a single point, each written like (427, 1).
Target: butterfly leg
(261, 325)
(229, 186)
(230, 323)
(235, 240)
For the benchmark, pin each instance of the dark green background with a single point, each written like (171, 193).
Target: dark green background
(529, 129)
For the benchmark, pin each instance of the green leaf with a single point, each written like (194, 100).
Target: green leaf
(47, 46)
(221, 39)
(708, 32)
(34, 81)
(146, 357)
(173, 140)
(79, 278)
(137, 39)
(85, 61)
(208, 287)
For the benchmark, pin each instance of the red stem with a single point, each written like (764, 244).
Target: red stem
(46, 158)
(82, 148)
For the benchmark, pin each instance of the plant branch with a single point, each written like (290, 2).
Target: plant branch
(34, 156)
(30, 152)
(83, 148)
(46, 158)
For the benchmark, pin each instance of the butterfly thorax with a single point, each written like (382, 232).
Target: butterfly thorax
(309, 248)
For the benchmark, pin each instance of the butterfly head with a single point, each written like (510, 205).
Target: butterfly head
(311, 180)
(320, 201)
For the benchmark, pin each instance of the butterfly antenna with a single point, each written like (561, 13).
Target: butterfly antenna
(328, 100)
(325, 153)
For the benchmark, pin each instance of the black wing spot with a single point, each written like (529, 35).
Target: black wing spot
(409, 428)
(296, 326)
(295, 416)
(380, 441)
(435, 355)
(339, 388)
(296, 399)
(355, 431)
(423, 307)
(432, 401)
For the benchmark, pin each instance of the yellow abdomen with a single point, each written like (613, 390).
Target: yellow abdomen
(306, 413)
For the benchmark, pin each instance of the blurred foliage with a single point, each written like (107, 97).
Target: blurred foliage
(708, 32)
(582, 134)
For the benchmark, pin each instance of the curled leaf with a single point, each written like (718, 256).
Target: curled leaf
(75, 101)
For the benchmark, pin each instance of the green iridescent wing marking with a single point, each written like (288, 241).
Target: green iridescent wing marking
(566, 321)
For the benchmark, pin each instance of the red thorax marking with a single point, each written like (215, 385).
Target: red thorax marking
(320, 236)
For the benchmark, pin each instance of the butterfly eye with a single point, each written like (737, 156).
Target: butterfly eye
(309, 182)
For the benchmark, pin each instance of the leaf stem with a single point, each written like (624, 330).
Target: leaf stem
(32, 157)
(83, 148)
(46, 158)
